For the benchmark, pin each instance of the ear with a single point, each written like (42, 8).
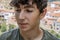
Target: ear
(43, 13)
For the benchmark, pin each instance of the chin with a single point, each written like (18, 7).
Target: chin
(27, 29)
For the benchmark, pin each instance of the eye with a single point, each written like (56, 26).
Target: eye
(29, 10)
(17, 11)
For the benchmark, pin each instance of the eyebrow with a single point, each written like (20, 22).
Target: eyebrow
(26, 6)
(29, 6)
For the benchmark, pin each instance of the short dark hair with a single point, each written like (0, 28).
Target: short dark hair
(41, 4)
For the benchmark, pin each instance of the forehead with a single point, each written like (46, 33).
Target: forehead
(26, 6)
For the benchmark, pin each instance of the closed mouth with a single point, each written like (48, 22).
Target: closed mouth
(23, 23)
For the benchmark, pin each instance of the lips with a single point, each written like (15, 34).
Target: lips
(23, 25)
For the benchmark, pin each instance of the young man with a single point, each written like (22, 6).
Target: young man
(28, 14)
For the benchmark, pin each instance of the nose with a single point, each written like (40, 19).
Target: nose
(21, 16)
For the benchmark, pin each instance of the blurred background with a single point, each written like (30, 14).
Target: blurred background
(51, 21)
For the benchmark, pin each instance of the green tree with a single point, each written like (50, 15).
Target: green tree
(11, 26)
(3, 27)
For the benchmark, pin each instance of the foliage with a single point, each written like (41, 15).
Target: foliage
(57, 35)
(54, 33)
(3, 27)
(11, 26)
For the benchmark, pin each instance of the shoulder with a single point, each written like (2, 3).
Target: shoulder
(49, 36)
(8, 34)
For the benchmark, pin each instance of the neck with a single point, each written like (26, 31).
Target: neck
(31, 34)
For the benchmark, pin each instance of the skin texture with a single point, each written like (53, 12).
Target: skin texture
(28, 18)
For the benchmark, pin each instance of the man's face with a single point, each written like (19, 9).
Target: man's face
(27, 16)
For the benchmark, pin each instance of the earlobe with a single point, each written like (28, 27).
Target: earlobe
(43, 14)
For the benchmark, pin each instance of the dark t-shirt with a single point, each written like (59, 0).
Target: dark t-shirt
(15, 35)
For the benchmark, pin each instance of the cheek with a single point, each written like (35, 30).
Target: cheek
(33, 19)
